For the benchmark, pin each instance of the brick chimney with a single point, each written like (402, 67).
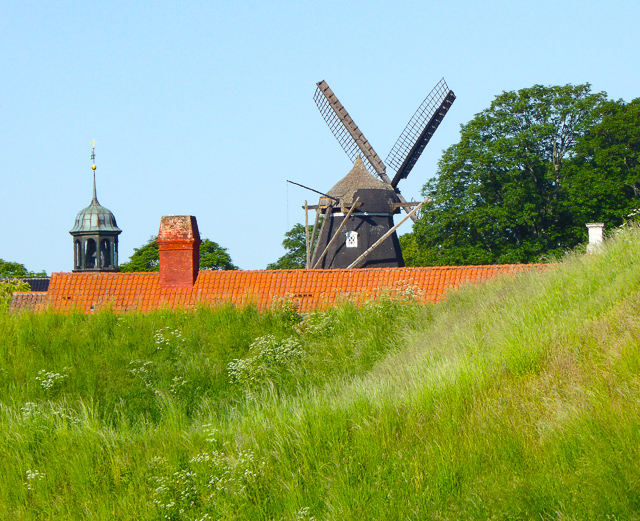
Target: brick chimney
(596, 236)
(179, 245)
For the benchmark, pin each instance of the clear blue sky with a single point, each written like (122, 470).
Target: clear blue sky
(205, 108)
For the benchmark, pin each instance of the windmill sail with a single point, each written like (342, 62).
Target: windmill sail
(418, 132)
(347, 132)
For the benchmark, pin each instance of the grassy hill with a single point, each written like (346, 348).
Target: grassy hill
(514, 399)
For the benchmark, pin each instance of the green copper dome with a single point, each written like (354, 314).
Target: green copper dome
(95, 236)
(95, 218)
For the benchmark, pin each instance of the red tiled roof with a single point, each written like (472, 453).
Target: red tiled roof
(309, 289)
(28, 301)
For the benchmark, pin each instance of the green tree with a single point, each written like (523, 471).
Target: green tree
(605, 175)
(15, 269)
(295, 244)
(7, 289)
(410, 249)
(296, 250)
(214, 257)
(147, 257)
(500, 195)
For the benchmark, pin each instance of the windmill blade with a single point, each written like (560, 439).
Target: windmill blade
(349, 135)
(418, 132)
(347, 132)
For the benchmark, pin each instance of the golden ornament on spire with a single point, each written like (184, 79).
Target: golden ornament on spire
(93, 155)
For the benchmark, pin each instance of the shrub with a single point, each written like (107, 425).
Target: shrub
(8, 288)
(272, 361)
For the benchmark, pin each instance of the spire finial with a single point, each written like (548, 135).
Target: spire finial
(93, 167)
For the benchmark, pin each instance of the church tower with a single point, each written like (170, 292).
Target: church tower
(95, 235)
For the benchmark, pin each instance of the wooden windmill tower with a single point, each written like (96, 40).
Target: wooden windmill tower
(358, 230)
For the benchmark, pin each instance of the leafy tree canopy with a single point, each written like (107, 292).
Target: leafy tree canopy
(296, 250)
(295, 244)
(506, 192)
(8, 288)
(15, 269)
(605, 175)
(147, 258)
(215, 257)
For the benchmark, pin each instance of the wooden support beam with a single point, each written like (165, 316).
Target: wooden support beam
(405, 205)
(335, 235)
(345, 205)
(313, 237)
(306, 234)
(402, 199)
(326, 219)
(385, 236)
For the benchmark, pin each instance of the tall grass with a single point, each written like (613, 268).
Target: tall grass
(515, 399)
(91, 404)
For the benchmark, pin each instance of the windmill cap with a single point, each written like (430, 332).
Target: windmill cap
(357, 179)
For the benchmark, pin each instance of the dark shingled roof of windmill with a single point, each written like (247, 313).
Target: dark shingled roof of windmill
(357, 179)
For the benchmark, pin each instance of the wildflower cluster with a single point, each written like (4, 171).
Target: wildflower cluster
(287, 309)
(64, 413)
(631, 222)
(318, 324)
(211, 479)
(29, 411)
(211, 433)
(33, 476)
(167, 337)
(411, 292)
(49, 380)
(142, 369)
(633, 215)
(231, 475)
(304, 514)
(175, 494)
(271, 360)
(177, 384)
(382, 308)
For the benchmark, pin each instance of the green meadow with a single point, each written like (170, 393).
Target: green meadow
(514, 399)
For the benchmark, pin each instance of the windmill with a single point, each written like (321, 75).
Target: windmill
(357, 229)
